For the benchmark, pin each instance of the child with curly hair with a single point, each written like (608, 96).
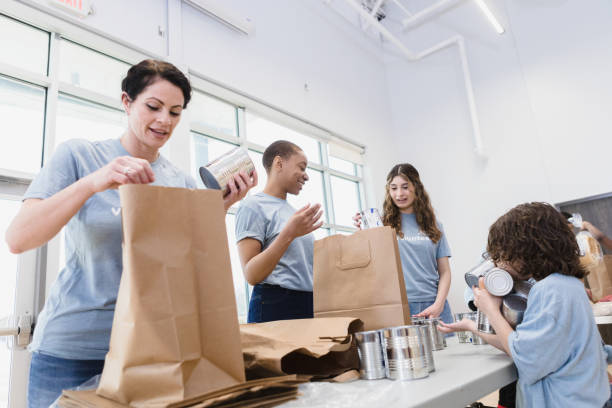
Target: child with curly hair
(557, 348)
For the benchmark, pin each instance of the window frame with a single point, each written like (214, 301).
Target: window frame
(243, 103)
(37, 268)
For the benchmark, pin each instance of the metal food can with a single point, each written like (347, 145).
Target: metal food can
(476, 339)
(404, 352)
(463, 336)
(429, 359)
(471, 276)
(498, 282)
(371, 359)
(217, 173)
(483, 324)
(437, 338)
(513, 309)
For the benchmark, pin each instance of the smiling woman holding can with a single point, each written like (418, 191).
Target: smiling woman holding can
(275, 241)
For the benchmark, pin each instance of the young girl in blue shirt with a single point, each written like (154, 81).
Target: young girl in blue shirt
(424, 250)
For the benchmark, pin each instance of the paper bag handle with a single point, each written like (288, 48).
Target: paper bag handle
(354, 253)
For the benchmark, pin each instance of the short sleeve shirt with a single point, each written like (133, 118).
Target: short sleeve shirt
(419, 256)
(78, 314)
(262, 217)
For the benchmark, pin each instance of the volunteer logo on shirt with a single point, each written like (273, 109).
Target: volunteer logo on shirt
(420, 236)
(116, 211)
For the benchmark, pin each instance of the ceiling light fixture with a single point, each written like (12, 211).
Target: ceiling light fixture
(487, 12)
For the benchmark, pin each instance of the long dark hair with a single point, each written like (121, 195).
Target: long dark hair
(536, 237)
(425, 216)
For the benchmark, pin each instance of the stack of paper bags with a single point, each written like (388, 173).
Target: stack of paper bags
(267, 392)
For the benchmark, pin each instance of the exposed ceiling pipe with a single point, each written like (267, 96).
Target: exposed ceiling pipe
(490, 16)
(380, 28)
(373, 12)
(424, 14)
(411, 56)
(467, 81)
(399, 4)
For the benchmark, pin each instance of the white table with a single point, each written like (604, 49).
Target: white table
(603, 319)
(464, 373)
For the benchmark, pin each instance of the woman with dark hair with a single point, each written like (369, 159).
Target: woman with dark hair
(424, 250)
(275, 242)
(557, 348)
(77, 189)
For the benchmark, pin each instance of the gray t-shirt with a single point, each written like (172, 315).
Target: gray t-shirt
(419, 257)
(262, 217)
(78, 314)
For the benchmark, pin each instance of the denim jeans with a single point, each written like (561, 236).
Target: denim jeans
(50, 375)
(418, 307)
(271, 302)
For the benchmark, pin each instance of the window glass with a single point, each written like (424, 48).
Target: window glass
(80, 119)
(89, 69)
(312, 193)
(240, 285)
(8, 209)
(345, 194)
(342, 165)
(262, 176)
(23, 46)
(321, 233)
(264, 132)
(212, 113)
(22, 112)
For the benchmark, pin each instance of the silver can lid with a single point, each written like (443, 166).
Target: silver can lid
(498, 282)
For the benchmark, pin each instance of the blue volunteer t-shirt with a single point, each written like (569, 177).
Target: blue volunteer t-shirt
(262, 217)
(557, 348)
(78, 314)
(419, 256)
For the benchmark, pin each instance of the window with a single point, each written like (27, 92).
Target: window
(22, 112)
(262, 176)
(334, 178)
(264, 132)
(312, 193)
(240, 286)
(345, 200)
(23, 103)
(81, 119)
(340, 164)
(209, 115)
(86, 105)
(88, 69)
(29, 52)
(8, 209)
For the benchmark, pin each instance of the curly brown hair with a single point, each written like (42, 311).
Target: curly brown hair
(425, 216)
(536, 237)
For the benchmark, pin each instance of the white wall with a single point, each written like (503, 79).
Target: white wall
(542, 92)
(137, 22)
(297, 43)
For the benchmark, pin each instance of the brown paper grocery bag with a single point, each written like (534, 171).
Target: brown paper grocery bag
(360, 275)
(599, 280)
(175, 332)
(321, 347)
